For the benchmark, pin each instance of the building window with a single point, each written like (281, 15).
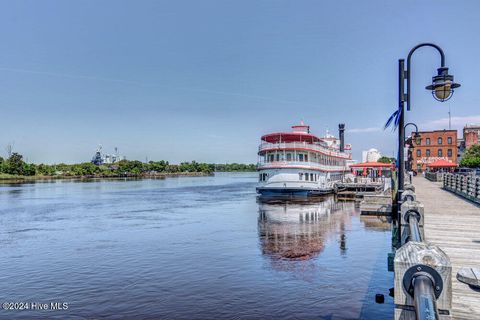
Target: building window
(449, 152)
(449, 140)
(440, 152)
(419, 153)
(427, 152)
(440, 140)
(427, 141)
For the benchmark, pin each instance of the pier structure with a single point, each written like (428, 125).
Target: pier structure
(440, 240)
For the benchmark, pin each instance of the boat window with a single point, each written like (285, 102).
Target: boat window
(306, 176)
(306, 157)
(300, 176)
(278, 157)
(300, 157)
(289, 157)
(311, 176)
(260, 177)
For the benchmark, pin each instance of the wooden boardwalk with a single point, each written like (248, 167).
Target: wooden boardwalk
(453, 224)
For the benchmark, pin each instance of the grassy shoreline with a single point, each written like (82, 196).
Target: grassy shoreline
(8, 178)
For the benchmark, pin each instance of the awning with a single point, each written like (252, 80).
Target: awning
(372, 165)
(442, 164)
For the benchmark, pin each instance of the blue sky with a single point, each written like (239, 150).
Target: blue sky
(203, 80)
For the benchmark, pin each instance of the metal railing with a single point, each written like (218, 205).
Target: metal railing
(414, 229)
(424, 298)
(467, 186)
(297, 164)
(422, 282)
(303, 145)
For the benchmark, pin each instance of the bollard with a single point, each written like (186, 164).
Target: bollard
(408, 195)
(409, 186)
(423, 281)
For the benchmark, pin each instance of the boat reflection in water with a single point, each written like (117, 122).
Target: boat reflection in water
(292, 229)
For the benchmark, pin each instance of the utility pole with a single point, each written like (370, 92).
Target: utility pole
(449, 119)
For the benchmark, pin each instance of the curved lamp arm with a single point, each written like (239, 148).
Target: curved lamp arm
(411, 124)
(442, 64)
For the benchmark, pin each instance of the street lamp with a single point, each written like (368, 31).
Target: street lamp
(442, 89)
(442, 85)
(415, 134)
(414, 137)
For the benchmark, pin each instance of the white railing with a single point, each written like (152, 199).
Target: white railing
(297, 145)
(296, 164)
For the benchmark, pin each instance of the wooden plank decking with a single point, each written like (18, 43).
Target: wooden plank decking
(453, 223)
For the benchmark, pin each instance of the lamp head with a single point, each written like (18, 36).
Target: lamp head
(417, 137)
(442, 85)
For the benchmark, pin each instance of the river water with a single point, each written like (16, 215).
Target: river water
(187, 248)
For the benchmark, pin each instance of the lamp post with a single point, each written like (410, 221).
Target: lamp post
(442, 88)
(415, 136)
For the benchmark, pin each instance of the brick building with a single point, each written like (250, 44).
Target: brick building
(470, 135)
(434, 145)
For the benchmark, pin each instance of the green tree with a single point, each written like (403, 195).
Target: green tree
(29, 169)
(471, 157)
(45, 170)
(384, 159)
(15, 164)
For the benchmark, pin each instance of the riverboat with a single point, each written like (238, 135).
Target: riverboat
(298, 163)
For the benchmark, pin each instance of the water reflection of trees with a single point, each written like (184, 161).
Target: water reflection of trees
(297, 229)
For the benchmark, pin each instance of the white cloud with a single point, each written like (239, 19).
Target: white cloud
(364, 130)
(457, 122)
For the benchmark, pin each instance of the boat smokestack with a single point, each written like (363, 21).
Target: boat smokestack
(341, 135)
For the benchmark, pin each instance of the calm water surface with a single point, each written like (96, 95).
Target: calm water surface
(188, 248)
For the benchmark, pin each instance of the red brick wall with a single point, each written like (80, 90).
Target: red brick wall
(471, 138)
(420, 162)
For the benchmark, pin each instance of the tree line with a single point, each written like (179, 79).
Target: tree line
(15, 165)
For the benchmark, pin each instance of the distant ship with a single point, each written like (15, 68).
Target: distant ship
(100, 158)
(299, 163)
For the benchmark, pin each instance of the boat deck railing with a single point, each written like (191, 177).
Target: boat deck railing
(303, 145)
(299, 164)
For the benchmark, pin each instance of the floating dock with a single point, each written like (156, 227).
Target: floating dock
(352, 191)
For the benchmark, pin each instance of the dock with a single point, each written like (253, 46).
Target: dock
(353, 191)
(453, 224)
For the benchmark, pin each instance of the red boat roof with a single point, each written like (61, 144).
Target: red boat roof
(301, 133)
(289, 137)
